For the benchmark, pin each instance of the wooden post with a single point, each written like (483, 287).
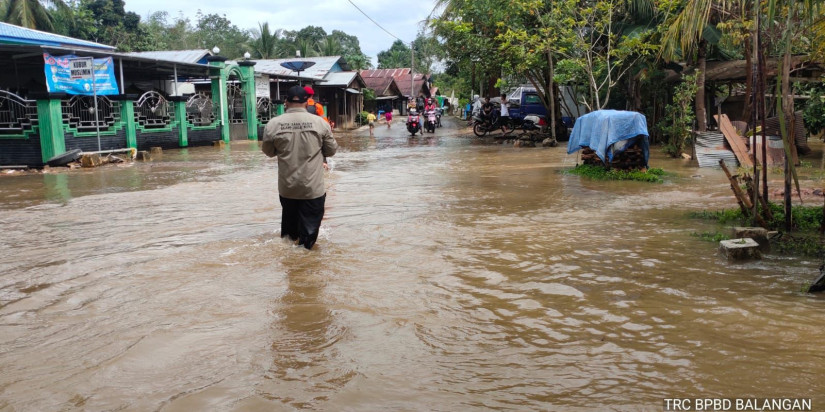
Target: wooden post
(742, 198)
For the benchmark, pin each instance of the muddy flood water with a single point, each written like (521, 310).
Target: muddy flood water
(451, 274)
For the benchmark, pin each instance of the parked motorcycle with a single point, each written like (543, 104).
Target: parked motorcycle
(431, 121)
(529, 123)
(485, 123)
(413, 123)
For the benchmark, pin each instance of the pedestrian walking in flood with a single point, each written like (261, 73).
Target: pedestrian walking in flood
(301, 141)
(388, 116)
(371, 120)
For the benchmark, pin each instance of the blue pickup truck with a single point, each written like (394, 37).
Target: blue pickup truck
(525, 101)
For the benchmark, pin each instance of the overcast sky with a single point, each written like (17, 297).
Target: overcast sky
(401, 18)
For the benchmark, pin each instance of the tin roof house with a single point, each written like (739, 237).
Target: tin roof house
(336, 86)
(409, 84)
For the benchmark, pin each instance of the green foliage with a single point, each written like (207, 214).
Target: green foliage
(30, 13)
(600, 173)
(725, 216)
(427, 52)
(814, 111)
(369, 94)
(265, 44)
(163, 34)
(398, 55)
(361, 118)
(711, 236)
(216, 30)
(104, 21)
(805, 241)
(805, 244)
(803, 218)
(677, 124)
(358, 61)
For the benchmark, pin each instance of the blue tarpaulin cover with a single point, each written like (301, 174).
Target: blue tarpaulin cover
(609, 132)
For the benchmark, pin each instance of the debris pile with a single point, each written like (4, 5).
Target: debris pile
(632, 158)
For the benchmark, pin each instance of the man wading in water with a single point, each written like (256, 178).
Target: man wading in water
(301, 141)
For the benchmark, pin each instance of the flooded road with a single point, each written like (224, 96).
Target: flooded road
(451, 274)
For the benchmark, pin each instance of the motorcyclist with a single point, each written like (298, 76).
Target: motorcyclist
(430, 106)
(413, 117)
(488, 110)
(413, 114)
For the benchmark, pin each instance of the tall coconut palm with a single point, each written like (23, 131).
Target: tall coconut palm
(33, 14)
(304, 47)
(265, 43)
(358, 62)
(690, 32)
(328, 47)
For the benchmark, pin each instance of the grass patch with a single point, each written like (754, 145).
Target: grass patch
(715, 237)
(803, 241)
(600, 173)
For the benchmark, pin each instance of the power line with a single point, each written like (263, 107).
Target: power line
(375, 22)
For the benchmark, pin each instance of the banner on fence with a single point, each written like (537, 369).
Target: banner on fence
(64, 77)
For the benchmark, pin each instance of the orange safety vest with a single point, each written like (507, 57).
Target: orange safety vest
(316, 108)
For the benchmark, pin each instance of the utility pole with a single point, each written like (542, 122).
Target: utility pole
(412, 71)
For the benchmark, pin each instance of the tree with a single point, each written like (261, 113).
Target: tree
(265, 44)
(468, 31)
(164, 35)
(213, 30)
(428, 52)
(349, 44)
(358, 62)
(688, 33)
(32, 14)
(398, 55)
(351, 50)
(590, 37)
(114, 25)
(310, 34)
(328, 46)
(75, 21)
(304, 48)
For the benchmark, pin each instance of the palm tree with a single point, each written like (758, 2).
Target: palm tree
(304, 47)
(358, 62)
(328, 47)
(689, 33)
(31, 13)
(265, 44)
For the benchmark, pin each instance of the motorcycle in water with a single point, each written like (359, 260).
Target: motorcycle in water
(429, 124)
(438, 112)
(413, 123)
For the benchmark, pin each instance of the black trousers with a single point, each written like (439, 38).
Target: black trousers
(301, 219)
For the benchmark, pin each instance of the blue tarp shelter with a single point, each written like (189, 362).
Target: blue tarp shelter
(610, 132)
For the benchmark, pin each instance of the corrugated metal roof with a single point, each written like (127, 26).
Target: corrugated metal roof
(179, 56)
(383, 86)
(342, 79)
(322, 66)
(12, 34)
(394, 73)
(710, 148)
(402, 79)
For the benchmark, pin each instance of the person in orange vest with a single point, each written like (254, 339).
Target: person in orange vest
(316, 108)
(313, 106)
